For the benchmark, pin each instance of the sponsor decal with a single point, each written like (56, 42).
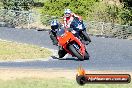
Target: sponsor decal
(83, 78)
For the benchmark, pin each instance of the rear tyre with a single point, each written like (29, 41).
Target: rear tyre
(75, 52)
(86, 36)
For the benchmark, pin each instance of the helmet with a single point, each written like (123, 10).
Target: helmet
(67, 11)
(54, 24)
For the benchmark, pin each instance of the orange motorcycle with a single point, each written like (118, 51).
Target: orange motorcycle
(71, 44)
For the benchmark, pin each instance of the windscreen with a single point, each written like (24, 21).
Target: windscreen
(60, 32)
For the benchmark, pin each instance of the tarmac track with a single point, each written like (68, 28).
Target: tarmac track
(105, 53)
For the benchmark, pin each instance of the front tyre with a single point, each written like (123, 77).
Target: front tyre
(76, 52)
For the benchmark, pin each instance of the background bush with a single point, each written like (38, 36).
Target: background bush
(90, 10)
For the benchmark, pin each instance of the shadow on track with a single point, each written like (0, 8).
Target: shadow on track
(74, 59)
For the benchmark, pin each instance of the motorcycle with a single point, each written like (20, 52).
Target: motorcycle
(80, 29)
(71, 44)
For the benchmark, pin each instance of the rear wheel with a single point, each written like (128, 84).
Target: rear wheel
(76, 52)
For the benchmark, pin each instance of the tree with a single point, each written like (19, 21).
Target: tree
(126, 13)
(127, 3)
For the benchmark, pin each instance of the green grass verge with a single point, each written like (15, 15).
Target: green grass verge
(54, 83)
(13, 51)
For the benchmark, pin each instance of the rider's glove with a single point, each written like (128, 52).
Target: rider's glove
(73, 32)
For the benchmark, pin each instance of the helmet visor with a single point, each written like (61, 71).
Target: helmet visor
(54, 27)
(67, 14)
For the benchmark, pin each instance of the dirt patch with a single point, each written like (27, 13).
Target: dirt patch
(11, 74)
(15, 73)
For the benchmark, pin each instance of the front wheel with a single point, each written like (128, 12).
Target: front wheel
(76, 52)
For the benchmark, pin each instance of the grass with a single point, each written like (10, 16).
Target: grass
(54, 83)
(1, 5)
(13, 51)
(32, 78)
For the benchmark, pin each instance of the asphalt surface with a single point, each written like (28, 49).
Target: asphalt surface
(105, 53)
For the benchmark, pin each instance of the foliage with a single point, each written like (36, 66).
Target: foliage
(126, 16)
(126, 13)
(127, 3)
(17, 4)
(90, 10)
(46, 20)
(56, 7)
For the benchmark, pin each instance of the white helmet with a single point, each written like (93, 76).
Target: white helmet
(67, 11)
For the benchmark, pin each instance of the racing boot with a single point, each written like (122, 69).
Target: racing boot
(61, 52)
